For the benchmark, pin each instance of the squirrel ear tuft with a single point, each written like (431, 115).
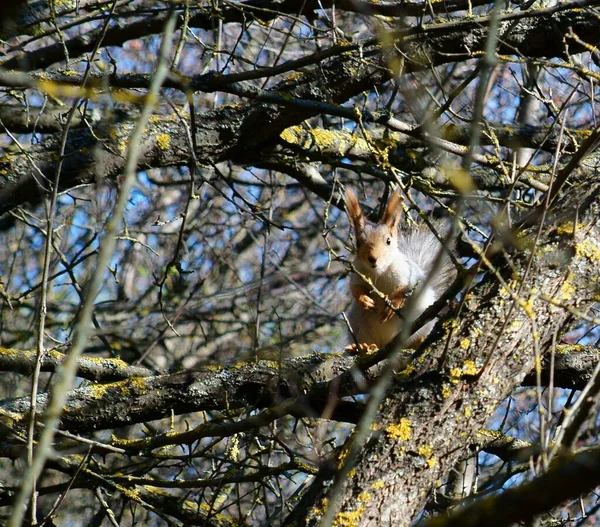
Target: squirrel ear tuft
(354, 211)
(393, 211)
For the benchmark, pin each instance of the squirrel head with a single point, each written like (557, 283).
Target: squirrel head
(376, 244)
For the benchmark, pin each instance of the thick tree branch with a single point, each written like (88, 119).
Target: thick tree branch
(134, 400)
(573, 367)
(29, 120)
(238, 133)
(569, 476)
(141, 397)
(91, 368)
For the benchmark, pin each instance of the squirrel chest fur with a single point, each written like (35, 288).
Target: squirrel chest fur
(398, 264)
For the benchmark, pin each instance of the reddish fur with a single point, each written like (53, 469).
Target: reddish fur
(396, 262)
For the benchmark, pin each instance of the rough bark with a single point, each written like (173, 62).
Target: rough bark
(139, 399)
(137, 395)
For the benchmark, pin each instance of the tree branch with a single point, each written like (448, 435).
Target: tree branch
(569, 476)
(92, 368)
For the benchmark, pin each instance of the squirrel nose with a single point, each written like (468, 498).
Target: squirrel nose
(372, 260)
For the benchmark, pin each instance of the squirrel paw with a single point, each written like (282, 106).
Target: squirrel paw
(397, 300)
(361, 349)
(366, 302)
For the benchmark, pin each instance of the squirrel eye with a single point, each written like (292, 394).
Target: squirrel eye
(388, 241)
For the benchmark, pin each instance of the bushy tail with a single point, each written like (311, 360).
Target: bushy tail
(423, 248)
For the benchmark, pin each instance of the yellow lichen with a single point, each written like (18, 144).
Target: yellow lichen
(568, 228)
(589, 250)
(234, 451)
(348, 519)
(484, 435)
(455, 375)
(364, 497)
(426, 451)
(294, 76)
(163, 141)
(343, 455)
(139, 384)
(378, 485)
(70, 73)
(103, 361)
(465, 343)
(400, 431)
(339, 141)
(174, 116)
(132, 494)
(406, 371)
(569, 348)
(446, 391)
(291, 134)
(97, 391)
(469, 367)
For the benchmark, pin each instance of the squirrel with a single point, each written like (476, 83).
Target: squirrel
(396, 261)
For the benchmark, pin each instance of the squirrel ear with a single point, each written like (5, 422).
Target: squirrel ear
(354, 211)
(393, 211)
